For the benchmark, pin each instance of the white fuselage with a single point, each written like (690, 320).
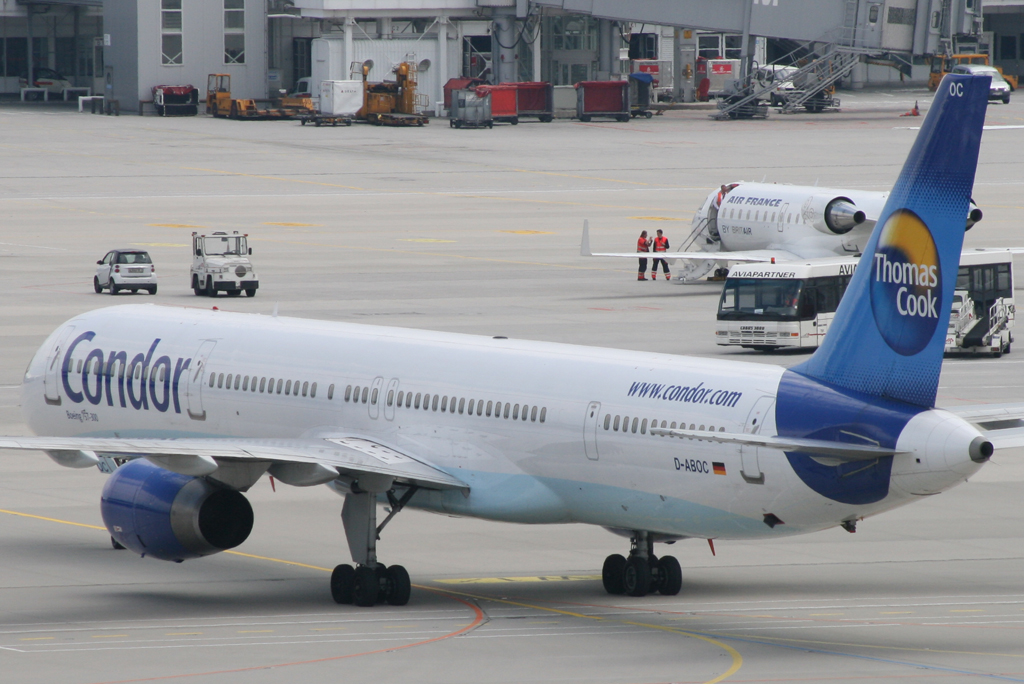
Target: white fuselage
(755, 216)
(554, 463)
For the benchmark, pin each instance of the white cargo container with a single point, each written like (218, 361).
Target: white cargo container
(340, 98)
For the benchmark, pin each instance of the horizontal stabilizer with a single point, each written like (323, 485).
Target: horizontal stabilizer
(840, 451)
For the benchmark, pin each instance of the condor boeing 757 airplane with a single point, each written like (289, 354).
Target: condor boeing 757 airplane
(187, 409)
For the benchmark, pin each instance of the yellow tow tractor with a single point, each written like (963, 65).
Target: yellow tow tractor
(219, 103)
(940, 66)
(393, 103)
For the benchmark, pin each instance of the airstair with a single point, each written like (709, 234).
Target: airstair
(703, 237)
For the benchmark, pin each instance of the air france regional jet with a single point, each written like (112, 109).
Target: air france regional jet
(769, 222)
(187, 409)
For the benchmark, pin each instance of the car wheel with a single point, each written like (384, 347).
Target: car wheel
(152, 290)
(113, 288)
(251, 292)
(96, 285)
(210, 290)
(1006, 99)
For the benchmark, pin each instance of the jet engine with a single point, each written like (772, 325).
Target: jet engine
(835, 215)
(157, 513)
(973, 215)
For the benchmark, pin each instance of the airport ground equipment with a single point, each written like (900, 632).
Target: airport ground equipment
(470, 109)
(940, 66)
(393, 103)
(504, 103)
(339, 102)
(774, 306)
(602, 98)
(220, 263)
(983, 310)
(219, 103)
(182, 100)
(454, 84)
(535, 98)
(641, 86)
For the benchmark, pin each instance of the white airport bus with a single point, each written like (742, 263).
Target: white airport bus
(981, 321)
(791, 304)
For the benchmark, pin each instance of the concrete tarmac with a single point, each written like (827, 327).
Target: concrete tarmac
(475, 231)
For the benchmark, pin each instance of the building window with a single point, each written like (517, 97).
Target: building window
(170, 32)
(234, 31)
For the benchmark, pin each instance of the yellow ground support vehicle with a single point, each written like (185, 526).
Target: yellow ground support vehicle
(392, 103)
(943, 65)
(220, 103)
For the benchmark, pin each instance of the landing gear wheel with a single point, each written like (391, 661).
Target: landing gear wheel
(250, 292)
(612, 572)
(365, 586)
(116, 544)
(397, 586)
(341, 583)
(670, 576)
(96, 285)
(637, 576)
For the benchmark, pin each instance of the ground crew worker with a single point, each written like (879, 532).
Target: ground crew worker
(643, 244)
(660, 245)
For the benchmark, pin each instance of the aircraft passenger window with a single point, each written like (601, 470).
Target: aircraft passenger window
(643, 427)
(490, 405)
(515, 412)
(348, 392)
(472, 402)
(543, 413)
(721, 429)
(312, 391)
(615, 425)
(220, 378)
(213, 378)
(635, 421)
(245, 384)
(305, 388)
(533, 415)
(227, 385)
(607, 420)
(263, 382)
(238, 380)
(408, 400)
(526, 409)
(366, 392)
(462, 405)
(711, 428)
(773, 216)
(672, 425)
(401, 398)
(391, 397)
(444, 404)
(330, 392)
(701, 427)
(508, 407)
(79, 366)
(480, 407)
(288, 387)
(748, 214)
(434, 405)
(373, 397)
(279, 383)
(417, 400)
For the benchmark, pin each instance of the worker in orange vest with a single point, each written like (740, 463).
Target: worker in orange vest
(660, 245)
(643, 244)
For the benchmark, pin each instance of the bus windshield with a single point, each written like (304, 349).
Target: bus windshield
(227, 244)
(747, 299)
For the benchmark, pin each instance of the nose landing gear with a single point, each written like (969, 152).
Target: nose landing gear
(643, 572)
(369, 582)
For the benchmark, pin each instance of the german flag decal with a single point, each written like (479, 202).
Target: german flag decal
(719, 468)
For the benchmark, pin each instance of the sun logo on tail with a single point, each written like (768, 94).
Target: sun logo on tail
(906, 283)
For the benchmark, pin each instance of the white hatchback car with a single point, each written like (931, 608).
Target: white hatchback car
(125, 269)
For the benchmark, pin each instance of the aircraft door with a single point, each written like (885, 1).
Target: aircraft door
(590, 430)
(196, 375)
(52, 378)
(389, 399)
(782, 217)
(750, 467)
(375, 398)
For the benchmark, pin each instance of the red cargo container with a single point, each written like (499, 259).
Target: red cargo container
(602, 98)
(503, 102)
(535, 98)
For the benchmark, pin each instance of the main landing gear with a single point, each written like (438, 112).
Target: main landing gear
(369, 582)
(642, 573)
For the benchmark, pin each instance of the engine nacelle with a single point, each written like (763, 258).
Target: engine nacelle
(974, 215)
(155, 512)
(833, 215)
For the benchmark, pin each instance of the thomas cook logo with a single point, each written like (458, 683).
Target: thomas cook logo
(906, 279)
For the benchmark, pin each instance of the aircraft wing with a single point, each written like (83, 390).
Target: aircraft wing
(301, 462)
(754, 255)
(837, 451)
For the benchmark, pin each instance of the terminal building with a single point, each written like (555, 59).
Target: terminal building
(123, 48)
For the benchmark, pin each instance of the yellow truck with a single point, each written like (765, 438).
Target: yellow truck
(219, 103)
(943, 65)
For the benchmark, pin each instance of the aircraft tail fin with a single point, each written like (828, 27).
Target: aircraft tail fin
(888, 335)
